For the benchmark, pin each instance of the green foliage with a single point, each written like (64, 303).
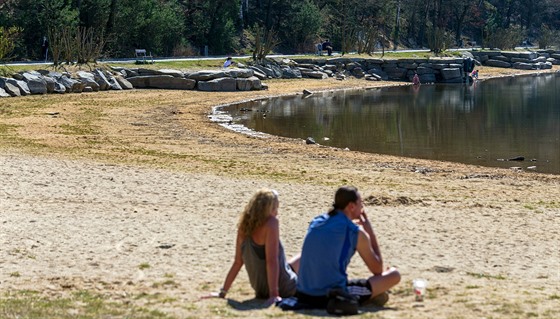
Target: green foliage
(146, 24)
(179, 27)
(547, 37)
(505, 39)
(7, 41)
(301, 29)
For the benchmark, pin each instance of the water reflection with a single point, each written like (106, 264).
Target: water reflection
(475, 124)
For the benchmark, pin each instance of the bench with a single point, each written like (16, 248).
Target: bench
(143, 57)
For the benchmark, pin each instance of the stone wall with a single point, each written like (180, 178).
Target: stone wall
(519, 60)
(447, 70)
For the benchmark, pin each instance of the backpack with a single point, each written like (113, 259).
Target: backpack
(341, 303)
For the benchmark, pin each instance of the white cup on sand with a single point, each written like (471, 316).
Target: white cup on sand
(419, 288)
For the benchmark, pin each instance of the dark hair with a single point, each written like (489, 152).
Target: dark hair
(344, 196)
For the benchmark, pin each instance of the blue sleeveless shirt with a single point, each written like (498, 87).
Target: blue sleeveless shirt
(327, 249)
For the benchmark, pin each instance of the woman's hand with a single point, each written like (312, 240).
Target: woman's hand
(221, 294)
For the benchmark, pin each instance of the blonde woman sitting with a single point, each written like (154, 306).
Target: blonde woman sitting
(258, 247)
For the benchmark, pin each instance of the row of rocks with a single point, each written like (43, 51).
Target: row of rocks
(429, 70)
(235, 79)
(519, 60)
(448, 70)
(44, 81)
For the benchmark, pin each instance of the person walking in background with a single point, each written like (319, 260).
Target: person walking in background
(258, 247)
(319, 47)
(331, 240)
(45, 49)
(327, 46)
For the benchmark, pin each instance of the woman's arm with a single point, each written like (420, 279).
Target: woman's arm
(233, 270)
(272, 242)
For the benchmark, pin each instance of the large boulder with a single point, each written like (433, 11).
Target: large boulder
(290, 73)
(59, 88)
(51, 83)
(396, 73)
(240, 73)
(71, 85)
(36, 83)
(276, 70)
(10, 88)
(23, 88)
(408, 65)
(88, 80)
(427, 78)
(207, 75)
(451, 74)
(313, 74)
(247, 84)
(101, 79)
(3, 93)
(259, 74)
(166, 82)
(524, 66)
(123, 83)
(498, 63)
(220, 85)
(264, 70)
(539, 59)
(175, 73)
(424, 70)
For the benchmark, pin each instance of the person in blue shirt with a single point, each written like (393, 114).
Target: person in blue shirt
(330, 242)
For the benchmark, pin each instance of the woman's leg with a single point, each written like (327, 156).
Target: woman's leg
(294, 263)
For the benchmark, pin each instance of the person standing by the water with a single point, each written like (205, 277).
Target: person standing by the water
(416, 79)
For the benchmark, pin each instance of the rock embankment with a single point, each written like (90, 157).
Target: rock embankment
(44, 81)
(429, 70)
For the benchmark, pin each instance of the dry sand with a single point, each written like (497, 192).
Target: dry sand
(146, 204)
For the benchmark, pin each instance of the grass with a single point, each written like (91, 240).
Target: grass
(143, 266)
(81, 304)
(481, 275)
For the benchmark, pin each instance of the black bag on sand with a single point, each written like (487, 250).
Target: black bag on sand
(341, 303)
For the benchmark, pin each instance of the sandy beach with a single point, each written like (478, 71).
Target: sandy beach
(135, 196)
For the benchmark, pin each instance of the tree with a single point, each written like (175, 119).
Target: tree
(300, 30)
(153, 25)
(7, 41)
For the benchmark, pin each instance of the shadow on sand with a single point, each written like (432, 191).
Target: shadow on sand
(253, 304)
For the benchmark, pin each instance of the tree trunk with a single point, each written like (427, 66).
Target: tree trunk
(111, 19)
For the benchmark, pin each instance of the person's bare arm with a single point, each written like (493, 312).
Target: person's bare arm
(371, 259)
(272, 243)
(233, 270)
(364, 221)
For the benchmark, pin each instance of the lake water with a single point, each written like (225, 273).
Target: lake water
(485, 123)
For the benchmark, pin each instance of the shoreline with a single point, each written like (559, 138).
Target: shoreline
(224, 120)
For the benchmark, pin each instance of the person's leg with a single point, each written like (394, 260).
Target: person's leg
(294, 263)
(386, 281)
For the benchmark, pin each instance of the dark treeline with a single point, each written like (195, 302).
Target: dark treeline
(186, 27)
